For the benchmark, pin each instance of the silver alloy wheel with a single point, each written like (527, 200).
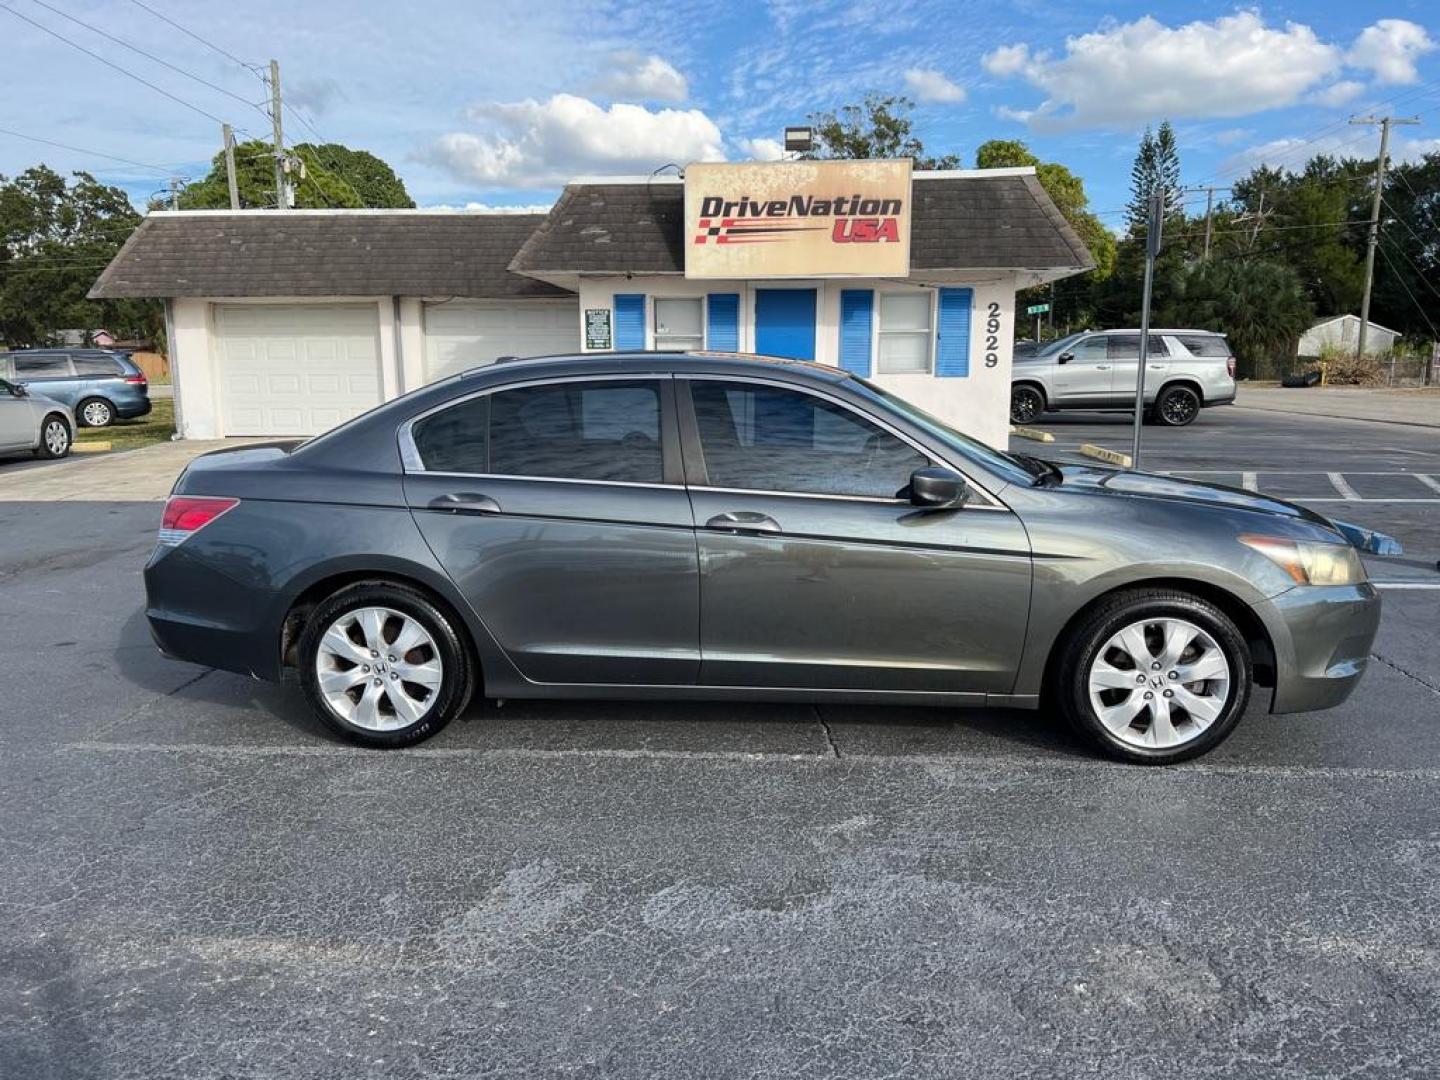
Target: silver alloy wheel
(96, 414)
(1159, 683)
(57, 437)
(379, 669)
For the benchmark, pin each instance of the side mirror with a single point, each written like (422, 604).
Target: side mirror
(18, 389)
(937, 488)
(1065, 358)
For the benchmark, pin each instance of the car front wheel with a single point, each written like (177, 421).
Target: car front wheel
(1155, 676)
(382, 666)
(1177, 406)
(54, 438)
(96, 412)
(1026, 403)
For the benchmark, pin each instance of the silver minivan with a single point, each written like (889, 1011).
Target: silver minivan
(1186, 371)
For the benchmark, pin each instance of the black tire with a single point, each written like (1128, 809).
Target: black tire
(1026, 403)
(50, 429)
(1177, 406)
(458, 678)
(1071, 689)
(95, 412)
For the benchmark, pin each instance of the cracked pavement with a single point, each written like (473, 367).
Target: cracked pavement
(195, 882)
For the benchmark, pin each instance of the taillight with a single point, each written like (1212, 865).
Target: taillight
(1230, 366)
(136, 380)
(186, 514)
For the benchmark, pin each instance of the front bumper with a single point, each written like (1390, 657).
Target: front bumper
(1322, 637)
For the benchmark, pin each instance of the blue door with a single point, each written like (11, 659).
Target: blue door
(785, 323)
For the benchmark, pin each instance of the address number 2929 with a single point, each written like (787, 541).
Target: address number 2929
(992, 334)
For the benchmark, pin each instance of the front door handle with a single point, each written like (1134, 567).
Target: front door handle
(744, 521)
(465, 502)
(1102, 367)
(1157, 367)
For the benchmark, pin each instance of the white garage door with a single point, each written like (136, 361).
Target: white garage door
(462, 334)
(295, 370)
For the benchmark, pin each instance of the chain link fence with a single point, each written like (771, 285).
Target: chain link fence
(1396, 369)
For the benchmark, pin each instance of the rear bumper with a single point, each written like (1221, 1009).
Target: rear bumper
(1322, 638)
(128, 409)
(1223, 397)
(184, 602)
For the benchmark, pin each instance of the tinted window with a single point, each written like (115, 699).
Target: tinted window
(766, 438)
(1204, 344)
(581, 431)
(42, 367)
(1092, 348)
(96, 365)
(1127, 346)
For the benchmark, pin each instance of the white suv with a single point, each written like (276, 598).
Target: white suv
(1186, 370)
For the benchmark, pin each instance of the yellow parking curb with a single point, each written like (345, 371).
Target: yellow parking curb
(1111, 457)
(1032, 433)
(89, 447)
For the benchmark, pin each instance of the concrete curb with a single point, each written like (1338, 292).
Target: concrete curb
(1110, 457)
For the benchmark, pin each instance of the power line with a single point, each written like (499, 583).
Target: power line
(1400, 278)
(1418, 272)
(81, 150)
(123, 71)
(149, 56)
(254, 69)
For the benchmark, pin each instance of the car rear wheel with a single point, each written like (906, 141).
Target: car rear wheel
(54, 437)
(1026, 403)
(1177, 406)
(1155, 676)
(95, 412)
(382, 666)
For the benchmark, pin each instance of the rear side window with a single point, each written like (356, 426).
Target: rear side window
(97, 365)
(42, 367)
(1127, 346)
(576, 431)
(1204, 344)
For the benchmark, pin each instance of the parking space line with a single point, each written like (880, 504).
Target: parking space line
(1085, 765)
(1428, 481)
(1345, 490)
(1248, 482)
(1419, 585)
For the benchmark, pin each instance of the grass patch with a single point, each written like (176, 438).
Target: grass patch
(156, 427)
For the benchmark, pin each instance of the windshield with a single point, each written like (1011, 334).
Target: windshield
(1059, 345)
(1007, 466)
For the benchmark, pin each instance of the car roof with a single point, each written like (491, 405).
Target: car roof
(706, 360)
(1162, 330)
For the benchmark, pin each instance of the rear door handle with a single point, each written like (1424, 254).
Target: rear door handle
(1102, 367)
(1157, 367)
(465, 502)
(744, 521)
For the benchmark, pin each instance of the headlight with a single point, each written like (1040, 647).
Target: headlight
(1309, 562)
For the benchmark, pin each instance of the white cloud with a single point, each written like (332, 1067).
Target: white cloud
(930, 85)
(637, 77)
(1339, 93)
(1006, 60)
(1132, 73)
(534, 144)
(1020, 116)
(761, 149)
(1389, 49)
(1230, 136)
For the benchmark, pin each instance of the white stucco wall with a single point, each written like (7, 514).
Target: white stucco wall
(978, 404)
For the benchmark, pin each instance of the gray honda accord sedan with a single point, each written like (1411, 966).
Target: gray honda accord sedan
(708, 526)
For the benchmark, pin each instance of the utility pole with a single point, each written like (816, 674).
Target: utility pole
(282, 194)
(175, 184)
(1153, 229)
(1209, 210)
(229, 137)
(1385, 123)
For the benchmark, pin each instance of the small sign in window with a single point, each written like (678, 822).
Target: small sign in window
(597, 328)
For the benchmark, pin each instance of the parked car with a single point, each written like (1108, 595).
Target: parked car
(99, 385)
(1186, 371)
(710, 527)
(32, 422)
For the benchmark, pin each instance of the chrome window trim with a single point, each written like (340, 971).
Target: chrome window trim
(554, 479)
(410, 461)
(929, 454)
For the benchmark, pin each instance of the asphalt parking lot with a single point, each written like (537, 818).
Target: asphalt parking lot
(197, 883)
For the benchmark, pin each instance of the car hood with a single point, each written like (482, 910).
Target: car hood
(1141, 485)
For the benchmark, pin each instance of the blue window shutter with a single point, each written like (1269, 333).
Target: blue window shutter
(952, 357)
(857, 307)
(723, 318)
(629, 320)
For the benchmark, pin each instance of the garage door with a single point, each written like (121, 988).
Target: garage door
(295, 370)
(462, 334)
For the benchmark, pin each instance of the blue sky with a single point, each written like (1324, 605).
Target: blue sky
(495, 104)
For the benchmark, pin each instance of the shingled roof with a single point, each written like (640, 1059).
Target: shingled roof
(323, 253)
(962, 220)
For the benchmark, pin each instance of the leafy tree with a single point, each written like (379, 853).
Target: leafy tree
(1260, 305)
(1407, 264)
(879, 127)
(371, 178)
(1156, 165)
(255, 178)
(55, 238)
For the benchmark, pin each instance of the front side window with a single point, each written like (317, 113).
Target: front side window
(42, 367)
(904, 333)
(766, 438)
(678, 324)
(575, 431)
